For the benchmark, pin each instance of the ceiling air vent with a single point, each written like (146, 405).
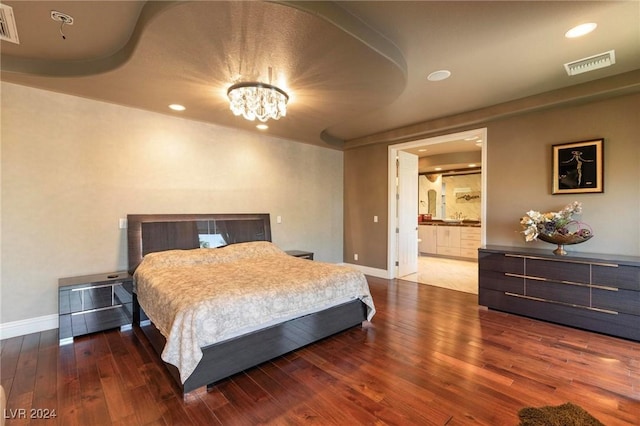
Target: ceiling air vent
(591, 63)
(8, 30)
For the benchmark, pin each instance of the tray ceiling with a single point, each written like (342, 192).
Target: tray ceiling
(352, 69)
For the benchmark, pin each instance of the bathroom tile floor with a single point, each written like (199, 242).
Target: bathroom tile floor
(460, 275)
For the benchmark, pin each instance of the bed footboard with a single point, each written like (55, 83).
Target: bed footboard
(232, 356)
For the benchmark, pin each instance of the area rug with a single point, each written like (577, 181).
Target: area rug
(562, 415)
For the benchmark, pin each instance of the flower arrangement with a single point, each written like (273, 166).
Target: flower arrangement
(556, 227)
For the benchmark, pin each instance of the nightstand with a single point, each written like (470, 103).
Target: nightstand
(91, 303)
(300, 253)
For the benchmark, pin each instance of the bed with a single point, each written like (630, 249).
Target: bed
(215, 296)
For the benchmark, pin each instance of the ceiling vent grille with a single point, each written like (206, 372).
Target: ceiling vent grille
(8, 29)
(591, 63)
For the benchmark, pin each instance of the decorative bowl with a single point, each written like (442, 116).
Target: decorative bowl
(562, 240)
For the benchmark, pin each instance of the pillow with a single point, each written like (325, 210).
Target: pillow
(181, 257)
(199, 256)
(251, 249)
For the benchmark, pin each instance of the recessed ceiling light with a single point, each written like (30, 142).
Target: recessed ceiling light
(438, 168)
(580, 30)
(262, 127)
(472, 165)
(177, 107)
(439, 75)
(422, 150)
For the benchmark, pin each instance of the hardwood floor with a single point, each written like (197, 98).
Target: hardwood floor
(430, 356)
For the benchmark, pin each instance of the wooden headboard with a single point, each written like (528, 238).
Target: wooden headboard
(147, 233)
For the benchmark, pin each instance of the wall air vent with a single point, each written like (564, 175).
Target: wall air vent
(591, 63)
(8, 29)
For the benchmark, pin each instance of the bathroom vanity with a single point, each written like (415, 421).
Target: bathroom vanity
(460, 239)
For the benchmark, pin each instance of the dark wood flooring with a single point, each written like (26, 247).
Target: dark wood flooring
(430, 356)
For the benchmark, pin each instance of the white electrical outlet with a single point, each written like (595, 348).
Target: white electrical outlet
(355, 256)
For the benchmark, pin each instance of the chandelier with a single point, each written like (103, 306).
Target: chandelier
(258, 100)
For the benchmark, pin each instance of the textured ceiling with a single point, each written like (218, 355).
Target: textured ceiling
(352, 69)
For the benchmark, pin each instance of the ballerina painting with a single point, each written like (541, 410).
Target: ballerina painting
(577, 167)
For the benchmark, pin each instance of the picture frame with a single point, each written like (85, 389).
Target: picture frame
(578, 167)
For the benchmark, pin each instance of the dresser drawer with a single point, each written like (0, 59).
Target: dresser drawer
(82, 323)
(558, 271)
(499, 281)
(618, 301)
(501, 263)
(91, 296)
(627, 277)
(558, 292)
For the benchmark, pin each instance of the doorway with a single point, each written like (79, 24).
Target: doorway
(397, 207)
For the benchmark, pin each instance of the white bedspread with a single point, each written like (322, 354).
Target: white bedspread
(203, 296)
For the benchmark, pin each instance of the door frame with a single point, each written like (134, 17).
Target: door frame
(392, 246)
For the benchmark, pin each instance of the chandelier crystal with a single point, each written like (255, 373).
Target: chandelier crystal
(258, 100)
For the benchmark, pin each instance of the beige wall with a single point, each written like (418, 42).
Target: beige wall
(519, 179)
(71, 167)
(365, 193)
(519, 173)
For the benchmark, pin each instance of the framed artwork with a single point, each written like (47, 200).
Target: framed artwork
(577, 167)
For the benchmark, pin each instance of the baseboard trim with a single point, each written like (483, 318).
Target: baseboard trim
(374, 272)
(28, 326)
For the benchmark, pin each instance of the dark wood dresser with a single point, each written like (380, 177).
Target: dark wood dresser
(596, 292)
